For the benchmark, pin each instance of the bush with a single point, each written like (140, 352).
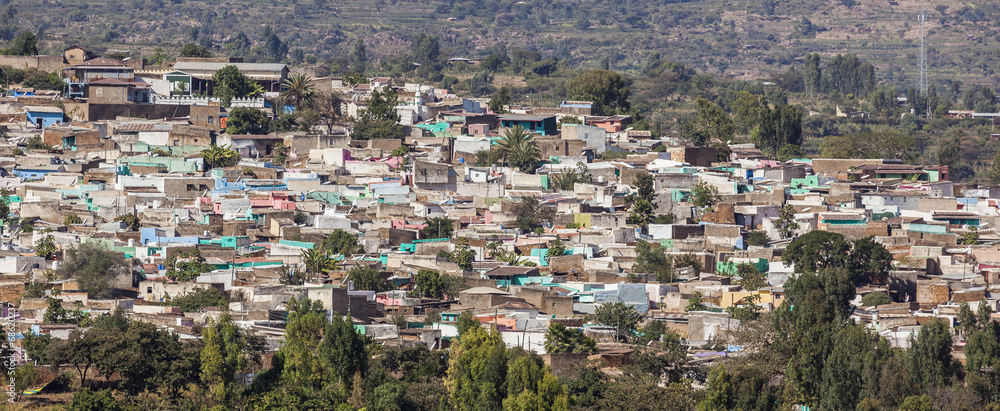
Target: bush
(72, 219)
(201, 298)
(874, 299)
(87, 400)
(758, 238)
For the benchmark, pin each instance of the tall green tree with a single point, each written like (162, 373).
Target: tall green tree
(713, 120)
(26, 44)
(930, 360)
(818, 249)
(223, 355)
(359, 56)
(652, 259)
(869, 261)
(499, 100)
(229, 83)
(982, 364)
(477, 370)
(608, 91)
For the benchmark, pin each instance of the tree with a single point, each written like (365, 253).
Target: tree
(982, 353)
(971, 237)
(695, 303)
(187, 266)
(194, 50)
(328, 107)
(758, 238)
(818, 249)
(643, 183)
(750, 278)
(556, 248)
(462, 254)
(378, 120)
(359, 56)
(529, 214)
(641, 214)
(559, 340)
(223, 355)
(428, 284)
(438, 227)
(4, 206)
(132, 221)
(623, 317)
(247, 120)
(786, 223)
(477, 370)
(813, 74)
(653, 260)
(868, 145)
(875, 299)
(299, 91)
(608, 91)
(340, 242)
(45, 247)
(499, 100)
(713, 120)
(519, 149)
(318, 261)
(87, 400)
(200, 298)
(231, 83)
(704, 195)
(853, 366)
(869, 261)
(930, 361)
(95, 268)
(367, 278)
(26, 44)
(158, 57)
(275, 50)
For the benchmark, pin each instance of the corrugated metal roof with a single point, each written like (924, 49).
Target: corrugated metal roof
(206, 66)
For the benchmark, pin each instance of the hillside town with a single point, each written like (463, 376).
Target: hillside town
(127, 194)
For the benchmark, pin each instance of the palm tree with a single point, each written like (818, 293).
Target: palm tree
(318, 261)
(565, 180)
(520, 149)
(220, 155)
(299, 91)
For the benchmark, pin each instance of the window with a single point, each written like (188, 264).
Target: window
(149, 290)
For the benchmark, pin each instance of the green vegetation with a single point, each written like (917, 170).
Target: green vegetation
(518, 148)
(367, 278)
(96, 269)
(200, 298)
(438, 227)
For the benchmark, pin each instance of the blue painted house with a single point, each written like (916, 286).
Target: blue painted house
(37, 172)
(544, 125)
(44, 116)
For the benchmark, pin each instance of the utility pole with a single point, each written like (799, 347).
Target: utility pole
(923, 62)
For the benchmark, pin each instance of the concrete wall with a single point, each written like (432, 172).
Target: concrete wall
(44, 63)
